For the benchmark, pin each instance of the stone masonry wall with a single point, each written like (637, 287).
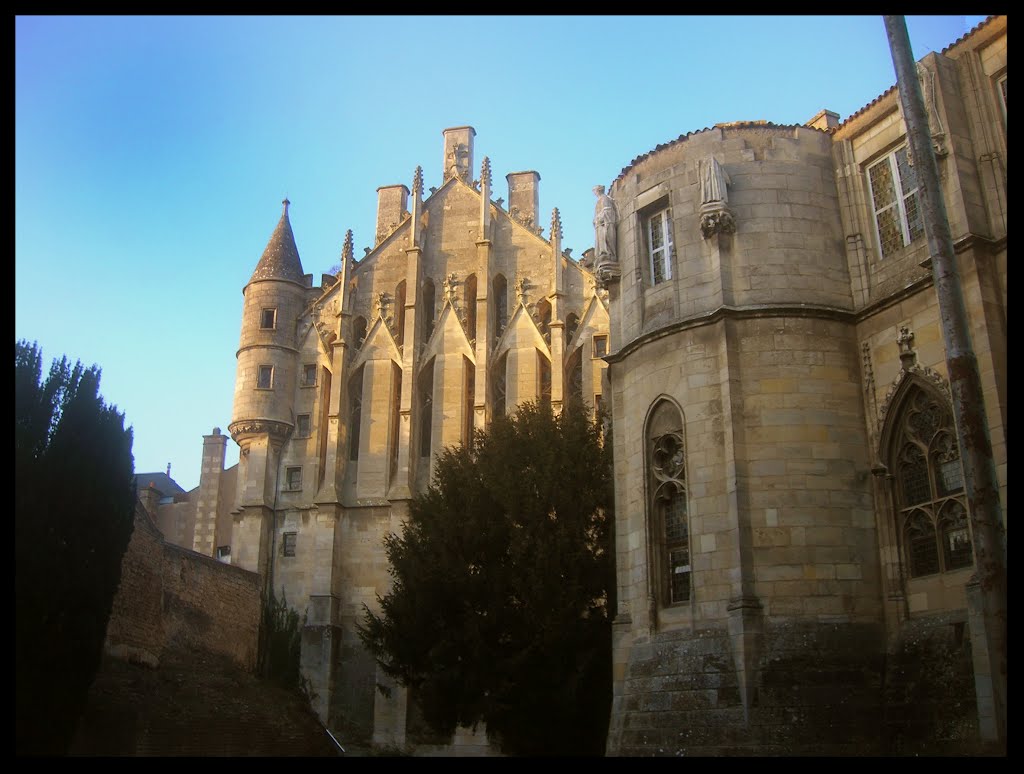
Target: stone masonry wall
(210, 605)
(818, 692)
(135, 631)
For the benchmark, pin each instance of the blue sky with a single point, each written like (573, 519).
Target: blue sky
(152, 154)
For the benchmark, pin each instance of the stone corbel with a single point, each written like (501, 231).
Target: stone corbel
(715, 218)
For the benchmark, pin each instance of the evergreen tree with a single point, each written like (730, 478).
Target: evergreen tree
(502, 581)
(74, 508)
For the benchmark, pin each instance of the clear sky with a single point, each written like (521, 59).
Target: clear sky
(153, 152)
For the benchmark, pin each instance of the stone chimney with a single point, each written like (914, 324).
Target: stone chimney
(458, 152)
(824, 120)
(524, 197)
(204, 539)
(391, 204)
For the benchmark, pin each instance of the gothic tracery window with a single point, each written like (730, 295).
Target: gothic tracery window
(929, 487)
(668, 506)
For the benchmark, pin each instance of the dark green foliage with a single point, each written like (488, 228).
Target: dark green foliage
(280, 643)
(74, 510)
(499, 612)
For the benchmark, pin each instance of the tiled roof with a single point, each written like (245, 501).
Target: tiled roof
(684, 137)
(892, 88)
(159, 481)
(281, 257)
(968, 34)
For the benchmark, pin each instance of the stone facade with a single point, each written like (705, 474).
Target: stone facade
(793, 556)
(783, 549)
(346, 392)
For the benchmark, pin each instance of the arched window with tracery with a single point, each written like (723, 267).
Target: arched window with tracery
(929, 485)
(668, 511)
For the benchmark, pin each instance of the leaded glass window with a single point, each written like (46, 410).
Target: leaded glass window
(895, 201)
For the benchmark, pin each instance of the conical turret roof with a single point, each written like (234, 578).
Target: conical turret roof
(281, 257)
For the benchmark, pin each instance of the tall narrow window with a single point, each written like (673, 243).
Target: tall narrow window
(600, 345)
(396, 406)
(358, 332)
(667, 509)
(400, 313)
(543, 378)
(355, 414)
(1001, 88)
(498, 385)
(895, 201)
(268, 319)
(265, 377)
(428, 309)
(574, 373)
(544, 319)
(658, 233)
(929, 486)
(469, 371)
(302, 426)
(469, 304)
(500, 304)
(572, 322)
(426, 408)
(293, 479)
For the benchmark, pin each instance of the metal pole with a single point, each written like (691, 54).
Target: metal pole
(965, 384)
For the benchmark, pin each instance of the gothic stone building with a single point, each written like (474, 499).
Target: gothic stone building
(793, 551)
(346, 392)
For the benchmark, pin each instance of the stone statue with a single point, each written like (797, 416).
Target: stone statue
(714, 182)
(605, 222)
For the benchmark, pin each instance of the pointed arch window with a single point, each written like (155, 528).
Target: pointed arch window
(668, 506)
(932, 510)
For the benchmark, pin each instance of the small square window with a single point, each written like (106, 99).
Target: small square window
(302, 426)
(293, 479)
(600, 346)
(224, 554)
(268, 319)
(309, 375)
(288, 544)
(265, 378)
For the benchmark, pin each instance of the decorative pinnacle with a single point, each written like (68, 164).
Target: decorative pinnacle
(346, 248)
(556, 224)
(417, 182)
(485, 172)
(285, 202)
